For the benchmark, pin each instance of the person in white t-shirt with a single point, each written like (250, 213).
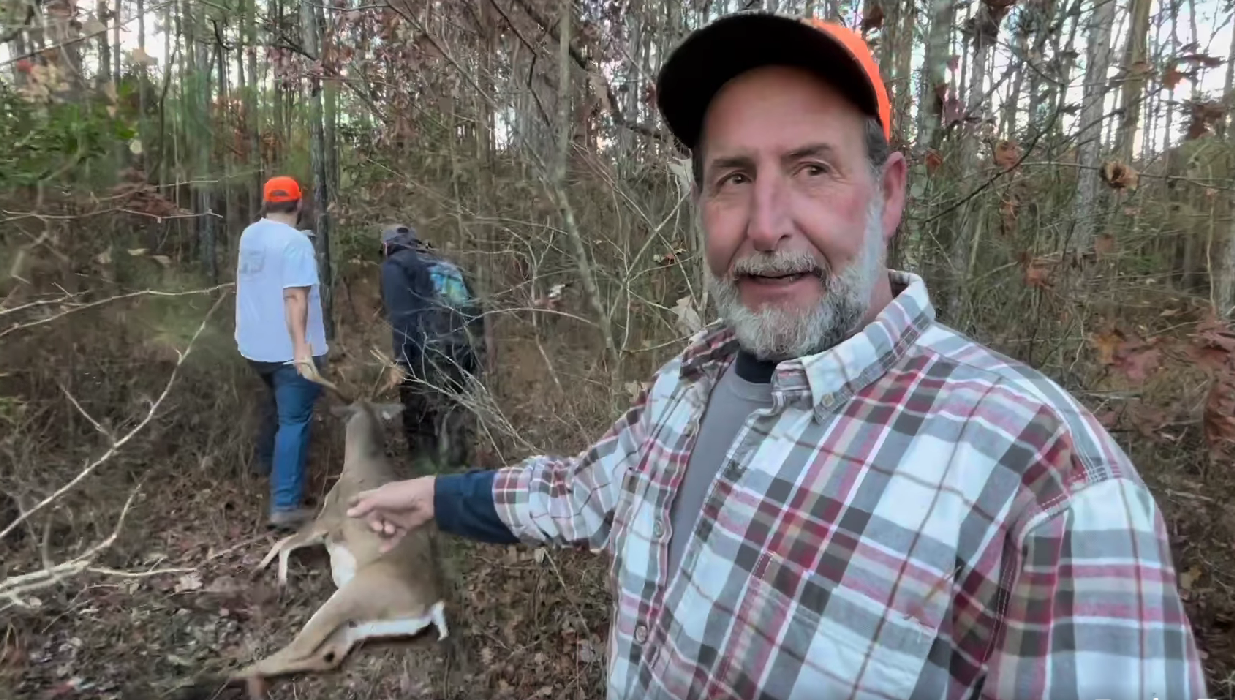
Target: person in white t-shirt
(278, 329)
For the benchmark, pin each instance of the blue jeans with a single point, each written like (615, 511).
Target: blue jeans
(283, 440)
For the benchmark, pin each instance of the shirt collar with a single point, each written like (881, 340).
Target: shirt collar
(833, 376)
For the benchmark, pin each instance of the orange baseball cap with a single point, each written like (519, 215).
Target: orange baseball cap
(710, 57)
(281, 188)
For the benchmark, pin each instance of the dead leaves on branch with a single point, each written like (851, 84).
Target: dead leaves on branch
(1173, 75)
(1119, 175)
(873, 19)
(1202, 117)
(1007, 154)
(1037, 270)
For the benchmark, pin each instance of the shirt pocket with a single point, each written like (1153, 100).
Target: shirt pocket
(816, 637)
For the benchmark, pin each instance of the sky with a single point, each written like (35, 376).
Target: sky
(1214, 28)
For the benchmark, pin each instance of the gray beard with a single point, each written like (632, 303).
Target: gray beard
(779, 334)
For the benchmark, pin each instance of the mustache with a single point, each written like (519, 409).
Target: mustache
(776, 264)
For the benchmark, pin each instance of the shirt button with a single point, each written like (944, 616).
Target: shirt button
(641, 633)
(657, 530)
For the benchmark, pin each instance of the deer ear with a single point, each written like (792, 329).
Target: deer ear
(387, 411)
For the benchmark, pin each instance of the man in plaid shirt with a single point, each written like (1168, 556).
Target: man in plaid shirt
(828, 494)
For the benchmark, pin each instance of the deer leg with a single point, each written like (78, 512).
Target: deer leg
(284, 548)
(318, 647)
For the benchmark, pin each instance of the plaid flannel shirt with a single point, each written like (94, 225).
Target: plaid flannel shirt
(961, 528)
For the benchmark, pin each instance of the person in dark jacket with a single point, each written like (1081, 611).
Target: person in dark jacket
(434, 323)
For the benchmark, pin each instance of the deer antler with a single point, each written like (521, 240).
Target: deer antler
(308, 370)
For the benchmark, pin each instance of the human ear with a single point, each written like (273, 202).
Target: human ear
(892, 184)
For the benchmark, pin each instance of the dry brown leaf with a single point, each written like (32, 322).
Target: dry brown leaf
(1172, 76)
(1106, 342)
(1188, 578)
(1007, 154)
(1201, 59)
(1037, 271)
(1118, 175)
(873, 19)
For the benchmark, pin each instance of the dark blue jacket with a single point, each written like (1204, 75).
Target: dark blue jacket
(408, 296)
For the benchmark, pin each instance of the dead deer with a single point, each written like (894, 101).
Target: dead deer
(380, 595)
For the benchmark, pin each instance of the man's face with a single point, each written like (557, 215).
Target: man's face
(796, 222)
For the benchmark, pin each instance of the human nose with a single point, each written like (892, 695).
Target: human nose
(769, 218)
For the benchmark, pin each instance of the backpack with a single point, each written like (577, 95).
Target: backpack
(458, 322)
(449, 284)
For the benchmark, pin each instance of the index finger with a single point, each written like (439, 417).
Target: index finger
(359, 504)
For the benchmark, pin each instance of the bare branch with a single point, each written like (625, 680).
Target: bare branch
(116, 445)
(90, 305)
(13, 588)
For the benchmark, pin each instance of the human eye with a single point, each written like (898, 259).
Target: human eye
(814, 169)
(735, 177)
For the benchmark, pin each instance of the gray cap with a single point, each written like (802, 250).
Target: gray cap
(394, 231)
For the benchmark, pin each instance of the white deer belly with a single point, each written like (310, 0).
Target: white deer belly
(342, 563)
(401, 627)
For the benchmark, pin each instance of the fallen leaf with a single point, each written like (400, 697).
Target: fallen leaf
(1106, 342)
(1104, 244)
(189, 582)
(1188, 578)
(933, 161)
(1137, 364)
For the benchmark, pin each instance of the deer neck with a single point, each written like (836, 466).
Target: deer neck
(364, 440)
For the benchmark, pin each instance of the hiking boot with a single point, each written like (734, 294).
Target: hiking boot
(290, 519)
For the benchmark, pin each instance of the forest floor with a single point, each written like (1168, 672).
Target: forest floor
(517, 629)
(523, 623)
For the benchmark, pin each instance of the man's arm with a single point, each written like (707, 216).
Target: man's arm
(1094, 611)
(552, 500)
(299, 274)
(296, 313)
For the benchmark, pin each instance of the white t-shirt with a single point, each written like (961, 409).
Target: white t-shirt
(274, 256)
